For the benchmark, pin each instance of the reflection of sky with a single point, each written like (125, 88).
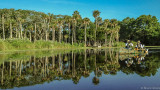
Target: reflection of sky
(109, 8)
(120, 81)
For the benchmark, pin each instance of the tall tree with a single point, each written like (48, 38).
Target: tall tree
(106, 23)
(68, 20)
(86, 22)
(96, 14)
(76, 16)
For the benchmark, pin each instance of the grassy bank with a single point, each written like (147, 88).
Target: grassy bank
(25, 44)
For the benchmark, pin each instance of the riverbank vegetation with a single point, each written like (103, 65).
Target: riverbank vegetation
(25, 44)
(57, 30)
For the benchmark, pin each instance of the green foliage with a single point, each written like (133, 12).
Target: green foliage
(145, 28)
(25, 44)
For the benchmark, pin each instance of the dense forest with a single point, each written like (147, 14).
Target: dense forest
(33, 25)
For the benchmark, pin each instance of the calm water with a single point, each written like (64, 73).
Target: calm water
(102, 69)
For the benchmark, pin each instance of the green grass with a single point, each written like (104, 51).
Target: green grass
(25, 44)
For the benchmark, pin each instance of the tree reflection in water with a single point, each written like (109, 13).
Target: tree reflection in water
(73, 65)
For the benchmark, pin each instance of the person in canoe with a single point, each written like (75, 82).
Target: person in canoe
(139, 45)
(129, 44)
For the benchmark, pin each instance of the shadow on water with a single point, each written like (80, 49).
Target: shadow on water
(30, 68)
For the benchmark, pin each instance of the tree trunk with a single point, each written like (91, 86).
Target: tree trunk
(16, 33)
(30, 37)
(53, 61)
(34, 65)
(19, 35)
(69, 32)
(72, 37)
(10, 68)
(53, 33)
(20, 67)
(35, 37)
(110, 40)
(117, 37)
(85, 35)
(25, 33)
(3, 27)
(10, 30)
(105, 39)
(21, 30)
(75, 32)
(95, 33)
(85, 56)
(105, 55)
(46, 35)
(60, 34)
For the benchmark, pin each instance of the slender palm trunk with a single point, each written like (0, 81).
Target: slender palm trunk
(10, 68)
(53, 61)
(72, 37)
(30, 37)
(85, 56)
(117, 37)
(34, 65)
(10, 30)
(69, 31)
(16, 33)
(105, 55)
(60, 34)
(105, 39)
(3, 27)
(35, 32)
(95, 65)
(47, 33)
(74, 64)
(110, 40)
(19, 35)
(85, 34)
(75, 32)
(53, 33)
(95, 33)
(20, 67)
(21, 30)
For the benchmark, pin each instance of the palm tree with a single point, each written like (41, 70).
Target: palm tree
(68, 20)
(117, 32)
(20, 20)
(30, 28)
(99, 21)
(36, 20)
(75, 17)
(60, 25)
(96, 13)
(113, 24)
(106, 23)
(53, 23)
(3, 21)
(86, 22)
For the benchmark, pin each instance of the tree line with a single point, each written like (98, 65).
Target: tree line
(145, 28)
(35, 26)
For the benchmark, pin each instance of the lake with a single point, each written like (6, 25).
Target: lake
(90, 69)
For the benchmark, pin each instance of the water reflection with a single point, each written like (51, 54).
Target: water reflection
(26, 70)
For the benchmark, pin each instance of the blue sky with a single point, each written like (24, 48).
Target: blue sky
(109, 9)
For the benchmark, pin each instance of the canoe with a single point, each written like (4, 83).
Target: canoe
(132, 51)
